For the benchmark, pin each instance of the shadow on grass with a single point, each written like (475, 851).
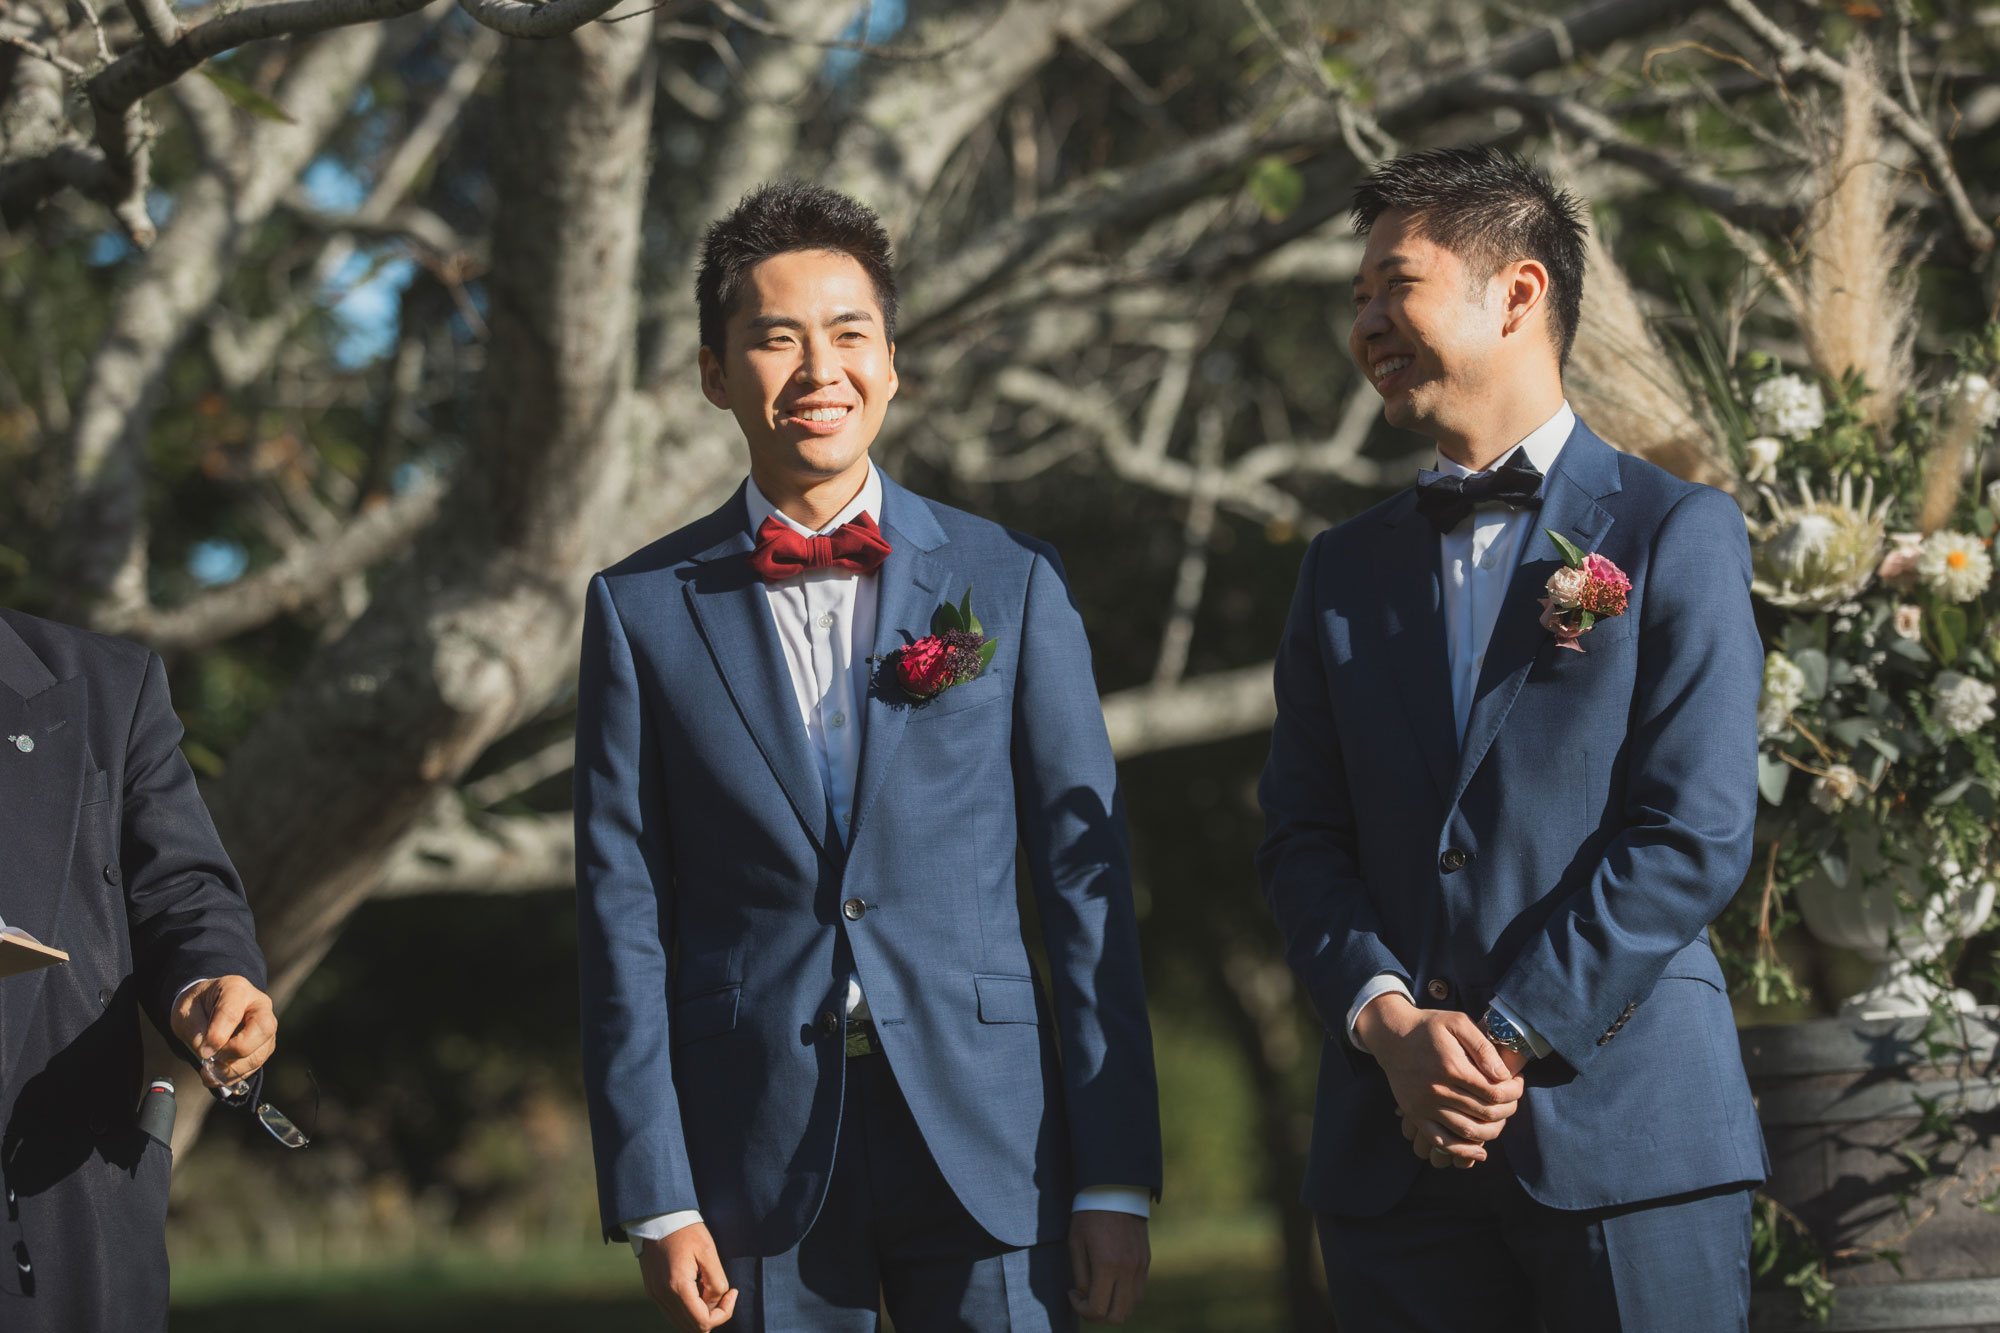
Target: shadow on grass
(1240, 1302)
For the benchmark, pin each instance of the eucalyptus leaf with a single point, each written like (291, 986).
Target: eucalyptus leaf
(1812, 662)
(1888, 750)
(1910, 649)
(1878, 764)
(243, 95)
(1851, 731)
(1950, 795)
(1773, 774)
(1834, 864)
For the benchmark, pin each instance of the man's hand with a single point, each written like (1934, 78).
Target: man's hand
(1109, 1256)
(683, 1275)
(1453, 1091)
(230, 1026)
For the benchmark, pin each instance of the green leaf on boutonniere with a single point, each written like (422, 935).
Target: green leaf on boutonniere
(1586, 619)
(967, 621)
(945, 619)
(986, 651)
(1572, 553)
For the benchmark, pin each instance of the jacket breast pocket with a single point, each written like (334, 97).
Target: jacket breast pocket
(706, 1015)
(1006, 999)
(985, 688)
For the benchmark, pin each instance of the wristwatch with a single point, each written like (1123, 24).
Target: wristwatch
(1502, 1033)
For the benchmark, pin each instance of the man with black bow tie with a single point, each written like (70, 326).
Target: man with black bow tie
(812, 730)
(1511, 781)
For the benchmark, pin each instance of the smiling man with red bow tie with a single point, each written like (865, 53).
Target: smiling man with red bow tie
(813, 729)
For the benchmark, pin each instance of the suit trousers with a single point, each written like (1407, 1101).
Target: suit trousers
(891, 1232)
(1469, 1249)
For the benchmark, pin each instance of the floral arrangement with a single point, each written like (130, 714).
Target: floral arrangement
(955, 651)
(1587, 589)
(1873, 572)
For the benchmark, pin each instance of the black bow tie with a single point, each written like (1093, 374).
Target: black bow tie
(1446, 500)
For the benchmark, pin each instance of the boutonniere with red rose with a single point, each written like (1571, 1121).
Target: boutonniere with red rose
(1587, 589)
(953, 652)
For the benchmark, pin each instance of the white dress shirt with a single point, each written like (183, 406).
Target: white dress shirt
(1477, 560)
(826, 623)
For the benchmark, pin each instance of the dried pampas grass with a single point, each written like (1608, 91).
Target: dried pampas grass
(1856, 305)
(1621, 380)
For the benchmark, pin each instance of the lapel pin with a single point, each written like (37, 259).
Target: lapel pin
(24, 743)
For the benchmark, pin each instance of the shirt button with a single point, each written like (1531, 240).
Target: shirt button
(1480, 660)
(838, 719)
(1488, 563)
(826, 621)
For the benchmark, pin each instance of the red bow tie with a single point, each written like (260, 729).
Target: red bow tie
(858, 547)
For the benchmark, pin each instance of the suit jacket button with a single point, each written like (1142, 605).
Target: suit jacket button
(112, 874)
(854, 909)
(1438, 989)
(829, 1024)
(1454, 858)
(104, 996)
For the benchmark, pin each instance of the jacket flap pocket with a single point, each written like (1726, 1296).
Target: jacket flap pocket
(1696, 963)
(96, 787)
(705, 1015)
(1006, 999)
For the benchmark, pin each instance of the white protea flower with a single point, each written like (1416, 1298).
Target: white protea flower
(1816, 554)
(1964, 703)
(1789, 406)
(1955, 565)
(1784, 690)
(1763, 454)
(1838, 786)
(1979, 399)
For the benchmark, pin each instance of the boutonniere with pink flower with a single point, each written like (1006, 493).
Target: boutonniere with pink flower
(955, 651)
(1587, 589)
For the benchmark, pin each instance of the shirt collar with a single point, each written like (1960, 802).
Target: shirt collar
(1542, 446)
(869, 501)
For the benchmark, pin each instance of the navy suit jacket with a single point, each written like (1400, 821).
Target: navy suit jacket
(720, 911)
(1567, 860)
(109, 855)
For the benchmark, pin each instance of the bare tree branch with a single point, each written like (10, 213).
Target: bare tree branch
(1212, 707)
(517, 777)
(514, 19)
(452, 852)
(215, 217)
(1794, 55)
(306, 574)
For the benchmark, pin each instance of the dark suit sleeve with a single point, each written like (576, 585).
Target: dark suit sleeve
(1072, 822)
(624, 893)
(1311, 875)
(1690, 797)
(184, 904)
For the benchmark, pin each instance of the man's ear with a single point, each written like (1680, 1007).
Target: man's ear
(1526, 291)
(894, 382)
(714, 381)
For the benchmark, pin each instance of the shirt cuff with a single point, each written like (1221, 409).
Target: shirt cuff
(1134, 1199)
(1535, 1042)
(658, 1227)
(1383, 983)
(182, 992)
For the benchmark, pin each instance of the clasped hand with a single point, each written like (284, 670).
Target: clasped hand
(230, 1026)
(1454, 1089)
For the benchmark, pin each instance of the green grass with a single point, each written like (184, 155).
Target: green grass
(1208, 1275)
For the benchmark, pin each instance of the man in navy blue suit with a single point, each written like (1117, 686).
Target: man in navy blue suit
(1494, 844)
(812, 729)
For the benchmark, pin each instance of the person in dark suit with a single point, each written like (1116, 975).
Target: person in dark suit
(106, 852)
(1497, 828)
(821, 1069)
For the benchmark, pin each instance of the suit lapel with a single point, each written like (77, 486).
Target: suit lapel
(40, 789)
(728, 603)
(910, 586)
(1413, 630)
(1586, 471)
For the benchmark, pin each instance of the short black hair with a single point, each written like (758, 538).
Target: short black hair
(1490, 209)
(777, 219)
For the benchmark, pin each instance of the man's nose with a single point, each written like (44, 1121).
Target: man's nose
(819, 365)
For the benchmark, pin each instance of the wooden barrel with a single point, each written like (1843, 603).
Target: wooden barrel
(1839, 1100)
